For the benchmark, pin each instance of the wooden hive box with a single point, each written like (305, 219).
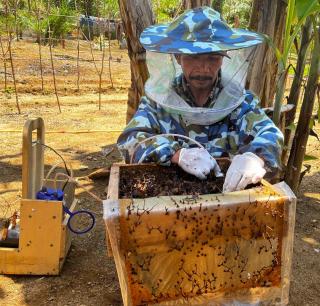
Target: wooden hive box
(195, 248)
(44, 238)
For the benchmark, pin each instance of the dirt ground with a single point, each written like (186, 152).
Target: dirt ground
(89, 276)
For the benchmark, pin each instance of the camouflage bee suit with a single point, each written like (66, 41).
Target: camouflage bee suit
(245, 129)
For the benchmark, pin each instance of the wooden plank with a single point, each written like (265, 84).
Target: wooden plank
(113, 186)
(113, 229)
(40, 240)
(112, 194)
(32, 158)
(66, 234)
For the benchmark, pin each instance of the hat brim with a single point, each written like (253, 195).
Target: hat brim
(155, 38)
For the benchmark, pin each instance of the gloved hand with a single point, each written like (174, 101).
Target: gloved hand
(199, 162)
(246, 168)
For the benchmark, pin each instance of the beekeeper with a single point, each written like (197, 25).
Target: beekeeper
(197, 67)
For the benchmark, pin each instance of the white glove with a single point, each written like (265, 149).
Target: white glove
(199, 162)
(246, 168)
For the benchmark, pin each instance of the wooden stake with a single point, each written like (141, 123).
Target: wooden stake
(4, 54)
(110, 56)
(13, 72)
(53, 71)
(39, 45)
(78, 56)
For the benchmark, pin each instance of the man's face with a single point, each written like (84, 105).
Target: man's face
(200, 70)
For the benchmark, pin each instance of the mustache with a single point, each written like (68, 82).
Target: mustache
(201, 78)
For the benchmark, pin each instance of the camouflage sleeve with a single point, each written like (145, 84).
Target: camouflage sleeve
(143, 125)
(258, 134)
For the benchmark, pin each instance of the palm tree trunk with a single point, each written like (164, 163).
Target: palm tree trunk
(136, 16)
(296, 85)
(302, 132)
(266, 17)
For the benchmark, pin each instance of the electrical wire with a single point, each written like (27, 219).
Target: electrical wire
(78, 184)
(64, 162)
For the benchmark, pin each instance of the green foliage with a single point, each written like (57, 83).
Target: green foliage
(24, 19)
(233, 8)
(7, 23)
(59, 21)
(9, 90)
(292, 127)
(99, 8)
(305, 72)
(165, 10)
(297, 13)
(111, 9)
(309, 157)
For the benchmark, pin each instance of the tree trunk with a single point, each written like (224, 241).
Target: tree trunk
(267, 16)
(188, 4)
(217, 5)
(296, 85)
(89, 7)
(136, 16)
(303, 129)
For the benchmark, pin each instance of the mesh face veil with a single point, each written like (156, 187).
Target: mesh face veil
(163, 69)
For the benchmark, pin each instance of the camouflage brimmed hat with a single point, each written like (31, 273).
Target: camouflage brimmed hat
(198, 30)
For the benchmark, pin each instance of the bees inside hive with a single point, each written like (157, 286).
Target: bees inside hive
(152, 181)
(201, 249)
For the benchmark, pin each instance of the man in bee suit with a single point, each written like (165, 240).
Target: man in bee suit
(197, 67)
